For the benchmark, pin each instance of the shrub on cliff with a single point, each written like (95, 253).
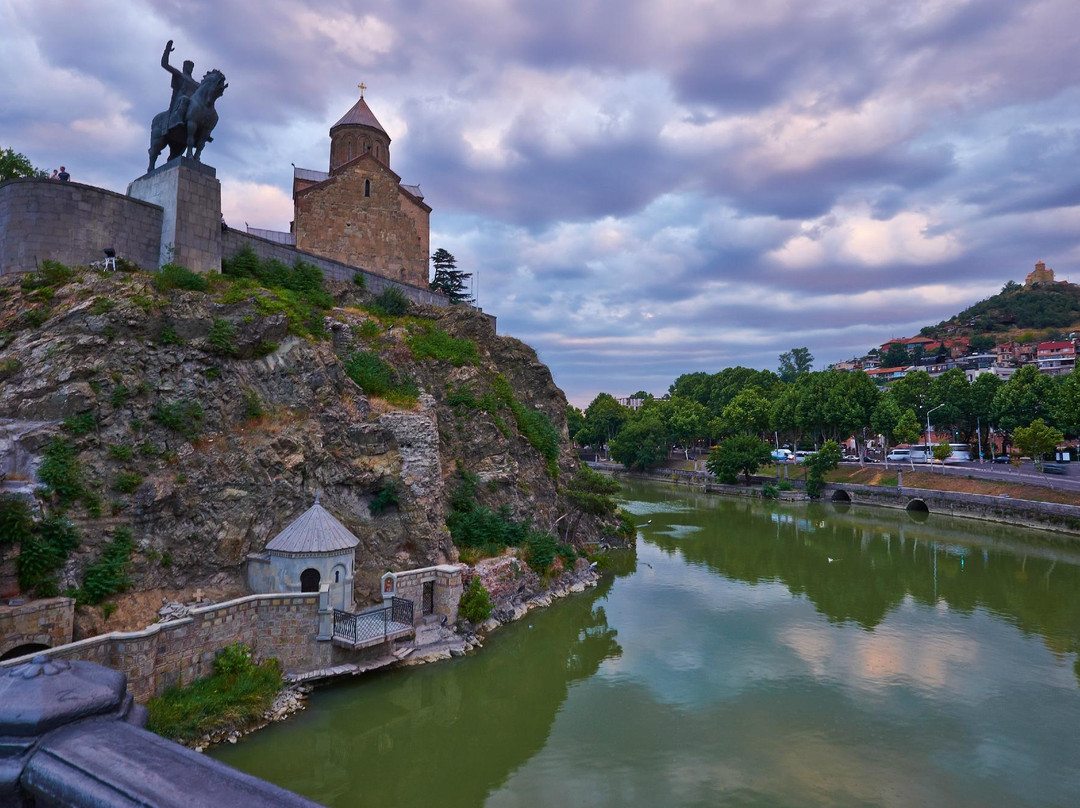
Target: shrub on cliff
(109, 574)
(391, 302)
(475, 605)
(42, 551)
(173, 276)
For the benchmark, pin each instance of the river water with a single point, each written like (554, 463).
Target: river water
(751, 655)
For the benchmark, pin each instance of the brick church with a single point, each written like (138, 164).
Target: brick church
(359, 212)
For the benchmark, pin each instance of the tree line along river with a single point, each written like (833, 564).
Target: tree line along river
(748, 654)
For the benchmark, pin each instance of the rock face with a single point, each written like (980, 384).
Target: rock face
(206, 447)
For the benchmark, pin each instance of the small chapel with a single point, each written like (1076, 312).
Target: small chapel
(359, 212)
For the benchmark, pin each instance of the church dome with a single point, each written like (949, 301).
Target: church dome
(358, 132)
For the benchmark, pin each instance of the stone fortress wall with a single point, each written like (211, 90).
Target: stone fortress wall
(73, 223)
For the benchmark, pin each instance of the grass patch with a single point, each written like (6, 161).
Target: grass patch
(127, 482)
(295, 291)
(80, 424)
(368, 330)
(378, 378)
(429, 342)
(183, 416)
(238, 693)
(391, 302)
(173, 276)
(101, 305)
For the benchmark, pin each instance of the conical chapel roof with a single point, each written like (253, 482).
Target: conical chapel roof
(314, 531)
(359, 115)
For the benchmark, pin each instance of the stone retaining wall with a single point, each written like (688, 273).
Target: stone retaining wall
(178, 652)
(73, 223)
(38, 622)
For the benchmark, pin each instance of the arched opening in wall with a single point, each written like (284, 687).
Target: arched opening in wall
(916, 506)
(841, 496)
(367, 187)
(309, 580)
(23, 650)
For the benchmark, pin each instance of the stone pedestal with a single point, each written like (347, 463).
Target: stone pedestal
(191, 227)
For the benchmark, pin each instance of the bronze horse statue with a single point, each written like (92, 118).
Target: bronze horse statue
(199, 121)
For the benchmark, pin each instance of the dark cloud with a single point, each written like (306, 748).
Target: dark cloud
(642, 189)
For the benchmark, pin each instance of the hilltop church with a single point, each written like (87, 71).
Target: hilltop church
(359, 212)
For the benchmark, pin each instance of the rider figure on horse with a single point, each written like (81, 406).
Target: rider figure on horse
(183, 85)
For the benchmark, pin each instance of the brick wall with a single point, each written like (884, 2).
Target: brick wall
(72, 223)
(164, 654)
(39, 622)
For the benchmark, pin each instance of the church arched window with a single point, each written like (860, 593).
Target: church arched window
(367, 187)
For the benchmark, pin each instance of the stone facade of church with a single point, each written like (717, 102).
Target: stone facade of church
(359, 212)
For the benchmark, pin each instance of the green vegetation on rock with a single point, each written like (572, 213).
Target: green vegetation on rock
(108, 575)
(237, 694)
(475, 605)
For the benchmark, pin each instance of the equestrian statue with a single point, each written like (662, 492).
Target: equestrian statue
(186, 125)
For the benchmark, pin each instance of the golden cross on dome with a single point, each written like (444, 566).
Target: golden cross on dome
(362, 87)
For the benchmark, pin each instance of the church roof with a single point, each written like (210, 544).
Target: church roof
(314, 531)
(359, 115)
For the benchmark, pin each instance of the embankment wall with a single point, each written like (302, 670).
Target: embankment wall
(1027, 513)
(180, 651)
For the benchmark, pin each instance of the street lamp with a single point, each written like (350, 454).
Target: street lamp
(928, 452)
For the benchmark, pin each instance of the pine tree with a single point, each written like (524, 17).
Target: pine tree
(448, 278)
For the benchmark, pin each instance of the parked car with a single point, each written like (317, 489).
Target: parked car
(1054, 468)
(850, 458)
(1001, 459)
(869, 459)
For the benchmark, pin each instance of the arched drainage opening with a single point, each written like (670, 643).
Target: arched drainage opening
(841, 496)
(23, 650)
(917, 506)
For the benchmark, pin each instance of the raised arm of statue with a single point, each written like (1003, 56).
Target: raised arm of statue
(165, 58)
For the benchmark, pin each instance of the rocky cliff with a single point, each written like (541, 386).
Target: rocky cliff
(204, 422)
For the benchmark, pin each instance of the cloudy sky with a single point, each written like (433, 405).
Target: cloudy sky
(643, 188)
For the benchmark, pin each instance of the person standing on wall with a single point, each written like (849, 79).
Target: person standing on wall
(63, 176)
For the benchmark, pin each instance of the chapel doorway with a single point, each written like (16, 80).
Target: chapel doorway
(309, 580)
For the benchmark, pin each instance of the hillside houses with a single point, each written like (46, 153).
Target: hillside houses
(1054, 358)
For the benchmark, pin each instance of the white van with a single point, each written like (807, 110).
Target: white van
(801, 456)
(783, 455)
(899, 454)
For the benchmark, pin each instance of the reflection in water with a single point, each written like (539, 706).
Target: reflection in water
(481, 717)
(750, 655)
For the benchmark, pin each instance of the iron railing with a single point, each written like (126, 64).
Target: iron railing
(374, 625)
